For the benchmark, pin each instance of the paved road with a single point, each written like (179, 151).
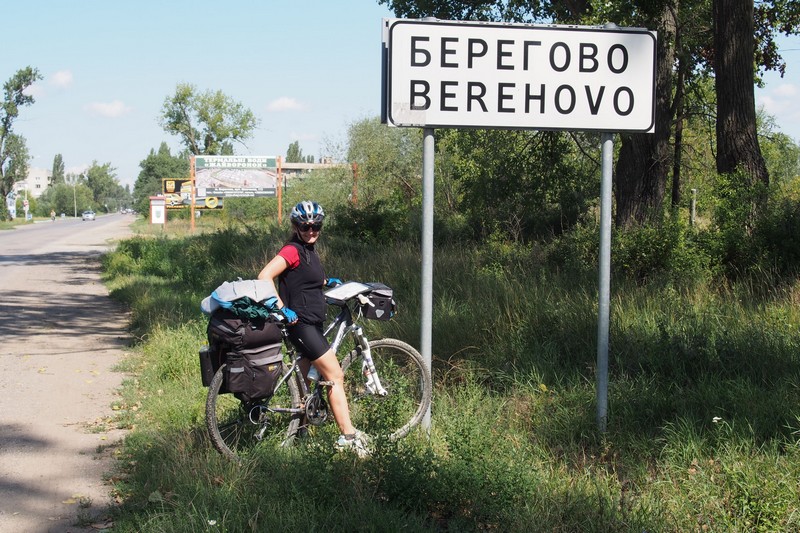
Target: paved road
(60, 338)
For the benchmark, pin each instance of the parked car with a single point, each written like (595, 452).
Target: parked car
(88, 215)
(174, 199)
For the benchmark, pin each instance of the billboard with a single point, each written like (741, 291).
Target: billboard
(518, 76)
(235, 176)
(178, 194)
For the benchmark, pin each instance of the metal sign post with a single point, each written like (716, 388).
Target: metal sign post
(604, 279)
(426, 297)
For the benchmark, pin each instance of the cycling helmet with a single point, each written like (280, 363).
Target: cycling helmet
(307, 211)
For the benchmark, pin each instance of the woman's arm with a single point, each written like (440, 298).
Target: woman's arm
(274, 269)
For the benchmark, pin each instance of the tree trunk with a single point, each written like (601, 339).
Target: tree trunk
(644, 158)
(737, 141)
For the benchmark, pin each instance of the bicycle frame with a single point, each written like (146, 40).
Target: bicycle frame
(344, 324)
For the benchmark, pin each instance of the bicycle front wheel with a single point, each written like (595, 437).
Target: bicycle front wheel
(237, 429)
(406, 389)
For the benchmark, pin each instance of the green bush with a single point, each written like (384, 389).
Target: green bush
(668, 252)
(777, 236)
(576, 252)
(383, 221)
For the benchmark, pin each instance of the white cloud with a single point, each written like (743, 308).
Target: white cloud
(285, 103)
(786, 90)
(110, 109)
(61, 79)
(35, 90)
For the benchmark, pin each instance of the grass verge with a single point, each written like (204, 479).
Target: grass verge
(703, 432)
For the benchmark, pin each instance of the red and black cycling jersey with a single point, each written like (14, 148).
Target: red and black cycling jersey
(300, 285)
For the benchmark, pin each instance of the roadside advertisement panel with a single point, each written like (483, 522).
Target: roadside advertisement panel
(236, 176)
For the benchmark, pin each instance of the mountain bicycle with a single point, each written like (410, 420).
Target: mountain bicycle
(387, 383)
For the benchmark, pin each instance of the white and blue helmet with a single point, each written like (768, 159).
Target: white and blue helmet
(307, 212)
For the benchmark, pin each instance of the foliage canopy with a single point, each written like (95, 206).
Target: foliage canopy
(206, 122)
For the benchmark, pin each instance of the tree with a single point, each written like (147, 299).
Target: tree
(207, 123)
(737, 139)
(13, 150)
(57, 176)
(294, 154)
(388, 162)
(644, 158)
(107, 192)
(70, 198)
(156, 167)
(780, 152)
(516, 184)
(487, 10)
(773, 17)
(16, 162)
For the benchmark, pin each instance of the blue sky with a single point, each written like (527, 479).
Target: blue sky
(306, 68)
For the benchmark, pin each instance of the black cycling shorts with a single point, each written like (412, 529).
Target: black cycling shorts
(309, 340)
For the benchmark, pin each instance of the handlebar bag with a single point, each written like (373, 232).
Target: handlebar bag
(381, 304)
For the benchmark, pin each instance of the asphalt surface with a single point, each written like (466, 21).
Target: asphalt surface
(61, 337)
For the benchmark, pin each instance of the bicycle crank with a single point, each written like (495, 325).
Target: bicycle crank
(316, 410)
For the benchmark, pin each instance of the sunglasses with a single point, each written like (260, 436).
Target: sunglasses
(309, 227)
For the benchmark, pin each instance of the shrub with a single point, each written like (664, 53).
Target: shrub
(381, 221)
(777, 238)
(669, 252)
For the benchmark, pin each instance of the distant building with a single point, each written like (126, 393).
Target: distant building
(35, 185)
(294, 169)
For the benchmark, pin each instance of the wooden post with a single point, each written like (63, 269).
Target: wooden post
(279, 192)
(354, 199)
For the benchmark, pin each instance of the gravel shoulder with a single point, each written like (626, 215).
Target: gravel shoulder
(62, 337)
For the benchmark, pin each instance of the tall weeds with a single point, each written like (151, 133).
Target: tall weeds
(703, 426)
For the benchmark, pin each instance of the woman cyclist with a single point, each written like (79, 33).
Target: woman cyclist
(301, 280)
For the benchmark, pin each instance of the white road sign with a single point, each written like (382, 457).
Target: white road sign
(518, 76)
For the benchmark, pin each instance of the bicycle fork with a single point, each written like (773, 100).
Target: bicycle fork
(368, 369)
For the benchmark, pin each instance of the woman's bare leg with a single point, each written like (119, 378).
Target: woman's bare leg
(331, 370)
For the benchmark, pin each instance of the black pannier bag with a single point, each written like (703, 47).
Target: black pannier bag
(381, 304)
(225, 327)
(251, 373)
(251, 351)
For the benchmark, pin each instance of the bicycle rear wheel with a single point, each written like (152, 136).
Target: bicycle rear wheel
(406, 379)
(236, 429)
